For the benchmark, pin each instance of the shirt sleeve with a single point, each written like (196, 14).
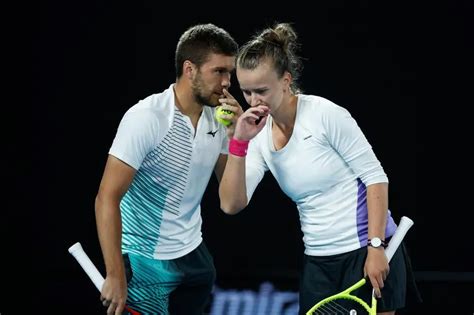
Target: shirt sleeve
(345, 136)
(136, 136)
(255, 166)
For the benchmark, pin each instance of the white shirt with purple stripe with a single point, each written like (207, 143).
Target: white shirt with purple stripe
(324, 168)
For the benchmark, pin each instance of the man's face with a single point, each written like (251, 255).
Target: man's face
(211, 78)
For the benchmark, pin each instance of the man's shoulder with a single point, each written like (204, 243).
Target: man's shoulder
(159, 100)
(154, 106)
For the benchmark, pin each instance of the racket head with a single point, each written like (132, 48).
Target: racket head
(343, 304)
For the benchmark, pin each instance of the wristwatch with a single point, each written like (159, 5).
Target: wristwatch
(376, 242)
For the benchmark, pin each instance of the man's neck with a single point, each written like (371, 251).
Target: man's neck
(186, 103)
(185, 100)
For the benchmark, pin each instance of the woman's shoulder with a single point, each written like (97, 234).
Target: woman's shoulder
(319, 105)
(315, 101)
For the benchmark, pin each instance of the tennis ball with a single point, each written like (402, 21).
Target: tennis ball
(219, 112)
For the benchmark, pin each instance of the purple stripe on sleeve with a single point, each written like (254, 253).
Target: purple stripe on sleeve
(391, 226)
(362, 213)
(362, 216)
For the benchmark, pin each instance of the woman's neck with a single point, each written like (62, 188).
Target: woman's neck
(285, 116)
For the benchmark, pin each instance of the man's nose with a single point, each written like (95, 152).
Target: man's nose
(226, 80)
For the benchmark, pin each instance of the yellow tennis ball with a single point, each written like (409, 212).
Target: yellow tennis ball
(219, 112)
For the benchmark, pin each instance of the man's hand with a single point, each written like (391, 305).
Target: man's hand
(228, 102)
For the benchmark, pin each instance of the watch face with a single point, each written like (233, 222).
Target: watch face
(376, 242)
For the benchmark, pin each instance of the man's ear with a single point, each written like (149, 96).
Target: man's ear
(188, 69)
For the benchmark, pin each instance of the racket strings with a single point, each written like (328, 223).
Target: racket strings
(331, 308)
(340, 307)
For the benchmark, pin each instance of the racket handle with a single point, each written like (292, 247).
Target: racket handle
(402, 229)
(78, 252)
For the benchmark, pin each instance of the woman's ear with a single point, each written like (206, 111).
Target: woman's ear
(287, 79)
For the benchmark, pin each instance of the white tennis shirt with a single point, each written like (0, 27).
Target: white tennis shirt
(161, 212)
(324, 168)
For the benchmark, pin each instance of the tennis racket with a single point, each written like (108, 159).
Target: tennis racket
(347, 303)
(78, 252)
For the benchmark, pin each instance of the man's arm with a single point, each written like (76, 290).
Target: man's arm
(220, 166)
(115, 182)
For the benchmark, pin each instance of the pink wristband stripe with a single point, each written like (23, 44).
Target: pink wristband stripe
(238, 147)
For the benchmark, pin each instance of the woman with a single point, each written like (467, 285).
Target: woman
(324, 163)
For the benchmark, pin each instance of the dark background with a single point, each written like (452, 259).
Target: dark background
(403, 71)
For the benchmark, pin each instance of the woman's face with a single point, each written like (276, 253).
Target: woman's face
(261, 86)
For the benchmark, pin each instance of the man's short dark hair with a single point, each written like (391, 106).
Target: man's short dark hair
(199, 41)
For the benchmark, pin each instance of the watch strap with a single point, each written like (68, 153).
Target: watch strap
(383, 243)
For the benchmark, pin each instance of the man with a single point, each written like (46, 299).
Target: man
(148, 203)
